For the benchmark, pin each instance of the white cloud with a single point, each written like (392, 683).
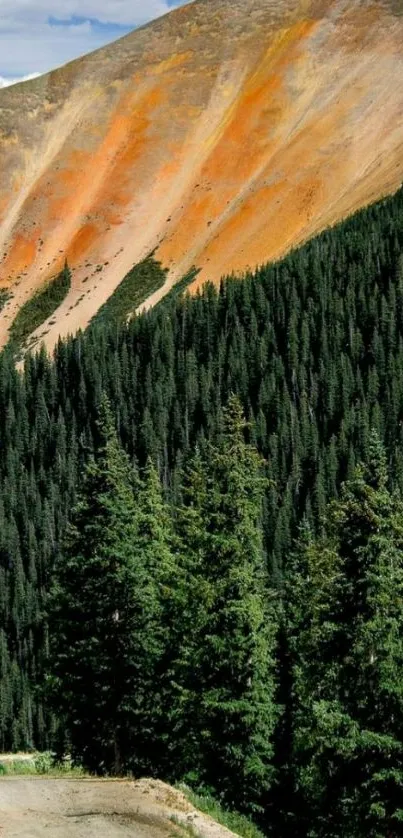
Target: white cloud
(124, 12)
(8, 82)
(30, 44)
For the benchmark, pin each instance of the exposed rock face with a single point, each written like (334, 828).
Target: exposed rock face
(223, 134)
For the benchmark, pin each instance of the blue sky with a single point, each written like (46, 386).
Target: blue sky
(37, 35)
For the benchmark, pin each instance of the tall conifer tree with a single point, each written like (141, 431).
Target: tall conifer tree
(346, 596)
(103, 614)
(232, 679)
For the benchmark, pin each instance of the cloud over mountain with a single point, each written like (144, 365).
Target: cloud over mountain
(36, 36)
(7, 82)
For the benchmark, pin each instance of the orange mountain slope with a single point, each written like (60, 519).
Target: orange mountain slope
(222, 134)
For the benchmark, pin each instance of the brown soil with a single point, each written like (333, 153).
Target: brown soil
(224, 134)
(32, 808)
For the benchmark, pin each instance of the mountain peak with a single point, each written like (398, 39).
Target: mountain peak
(222, 134)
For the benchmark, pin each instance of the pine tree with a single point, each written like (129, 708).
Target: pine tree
(232, 681)
(196, 602)
(102, 613)
(152, 548)
(346, 612)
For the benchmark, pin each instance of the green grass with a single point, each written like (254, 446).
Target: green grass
(183, 828)
(144, 279)
(39, 764)
(235, 822)
(41, 306)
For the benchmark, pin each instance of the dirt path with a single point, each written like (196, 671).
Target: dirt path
(36, 807)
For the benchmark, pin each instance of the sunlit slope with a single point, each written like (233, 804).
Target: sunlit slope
(223, 134)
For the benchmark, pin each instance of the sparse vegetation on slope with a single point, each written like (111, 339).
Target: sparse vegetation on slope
(5, 296)
(179, 288)
(239, 824)
(41, 306)
(145, 278)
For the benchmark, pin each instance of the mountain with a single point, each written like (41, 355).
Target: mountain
(221, 135)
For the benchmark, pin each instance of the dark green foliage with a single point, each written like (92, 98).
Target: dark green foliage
(160, 664)
(107, 613)
(42, 305)
(145, 278)
(228, 651)
(313, 348)
(5, 296)
(178, 289)
(345, 605)
(89, 612)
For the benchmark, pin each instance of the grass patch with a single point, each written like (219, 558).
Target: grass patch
(184, 828)
(37, 765)
(235, 822)
(144, 279)
(41, 306)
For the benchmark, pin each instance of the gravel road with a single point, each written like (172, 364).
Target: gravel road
(47, 808)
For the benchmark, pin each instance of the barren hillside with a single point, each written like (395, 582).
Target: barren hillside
(223, 134)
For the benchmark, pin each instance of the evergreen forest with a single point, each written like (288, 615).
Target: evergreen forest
(201, 538)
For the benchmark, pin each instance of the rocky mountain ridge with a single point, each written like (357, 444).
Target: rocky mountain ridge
(221, 136)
